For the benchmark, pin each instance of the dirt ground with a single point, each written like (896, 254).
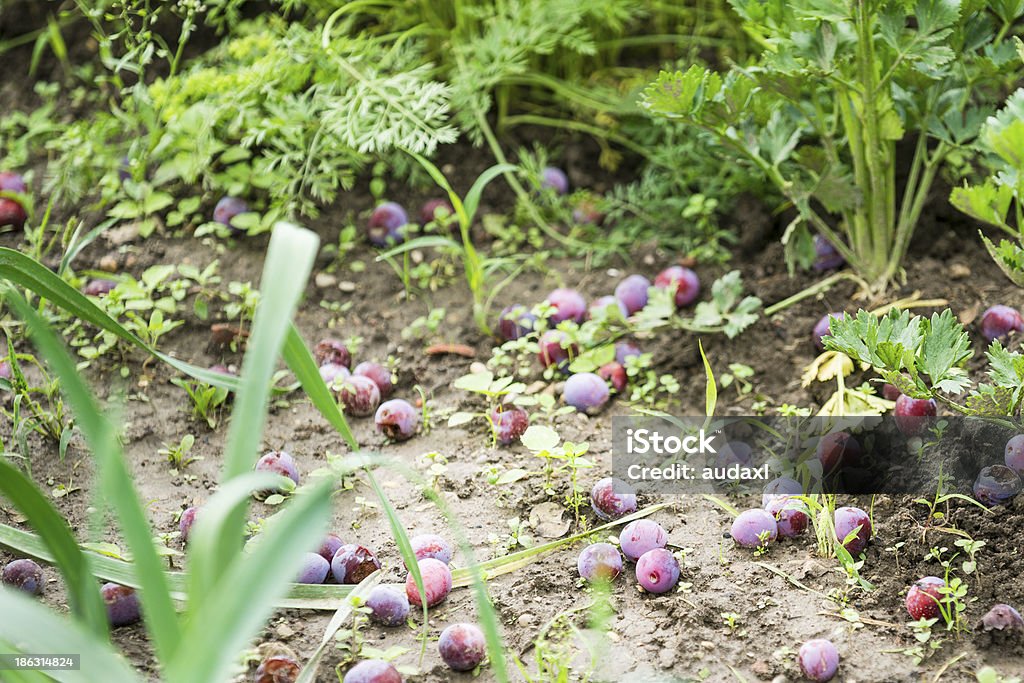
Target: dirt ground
(679, 636)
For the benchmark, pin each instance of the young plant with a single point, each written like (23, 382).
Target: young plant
(207, 399)
(495, 391)
(837, 87)
(566, 458)
(926, 358)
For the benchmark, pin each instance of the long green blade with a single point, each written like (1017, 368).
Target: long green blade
(115, 481)
(301, 362)
(33, 628)
(74, 566)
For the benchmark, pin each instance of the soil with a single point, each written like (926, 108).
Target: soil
(678, 636)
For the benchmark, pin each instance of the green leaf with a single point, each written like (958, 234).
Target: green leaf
(539, 438)
(478, 382)
(710, 388)
(946, 347)
(459, 419)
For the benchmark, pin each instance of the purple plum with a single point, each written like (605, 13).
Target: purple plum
(330, 546)
(657, 570)
(122, 602)
(821, 328)
(98, 287)
(624, 350)
(436, 210)
(462, 647)
(924, 597)
(598, 305)
(25, 575)
(683, 281)
(912, 415)
(782, 487)
(509, 422)
(552, 178)
(332, 351)
(599, 562)
(353, 563)
(641, 535)
(826, 256)
(837, 451)
(12, 213)
(568, 304)
(372, 671)
(612, 498)
(185, 522)
(387, 225)
(314, 569)
(556, 349)
(586, 392)
(515, 321)
(632, 292)
(397, 419)
(380, 375)
(431, 545)
(226, 210)
(278, 462)
(1014, 454)
(332, 373)
(819, 660)
(790, 516)
(754, 528)
(12, 182)
(999, 322)
(360, 395)
(437, 582)
(1002, 617)
(848, 519)
(615, 375)
(388, 605)
(996, 485)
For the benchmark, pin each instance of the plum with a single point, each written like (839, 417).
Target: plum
(332, 351)
(277, 669)
(612, 498)
(122, 602)
(5, 370)
(683, 281)
(360, 395)
(890, 392)
(185, 522)
(837, 451)
(847, 519)
(462, 647)
(353, 563)
(98, 287)
(509, 422)
(515, 321)
(397, 419)
(372, 671)
(435, 210)
(754, 528)
(826, 256)
(657, 570)
(632, 292)
(25, 575)
(821, 328)
(437, 582)
(912, 414)
(783, 487)
(790, 516)
(996, 485)
(330, 546)
(598, 305)
(331, 373)
(226, 210)
(999, 321)
(923, 598)
(388, 605)
(586, 392)
(641, 535)
(1014, 454)
(734, 453)
(12, 213)
(1002, 617)
(568, 304)
(556, 349)
(615, 375)
(431, 545)
(818, 659)
(552, 178)
(314, 569)
(587, 212)
(387, 224)
(278, 462)
(380, 375)
(12, 182)
(599, 562)
(626, 350)
(222, 369)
